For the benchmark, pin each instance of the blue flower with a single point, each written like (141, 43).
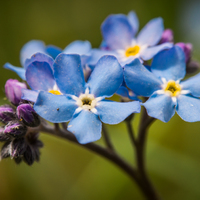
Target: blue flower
(39, 76)
(119, 39)
(163, 87)
(32, 47)
(81, 103)
(27, 51)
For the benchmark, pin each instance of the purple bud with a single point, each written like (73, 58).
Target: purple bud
(187, 48)
(15, 129)
(167, 36)
(27, 115)
(13, 90)
(6, 113)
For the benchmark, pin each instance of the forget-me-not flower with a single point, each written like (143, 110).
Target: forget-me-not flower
(119, 38)
(81, 103)
(163, 87)
(26, 52)
(32, 47)
(39, 76)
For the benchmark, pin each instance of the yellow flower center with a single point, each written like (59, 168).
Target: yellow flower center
(173, 88)
(56, 92)
(132, 51)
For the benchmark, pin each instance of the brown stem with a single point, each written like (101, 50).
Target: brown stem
(131, 133)
(107, 138)
(106, 153)
(140, 157)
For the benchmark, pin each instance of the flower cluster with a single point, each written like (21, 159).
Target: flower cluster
(74, 85)
(20, 139)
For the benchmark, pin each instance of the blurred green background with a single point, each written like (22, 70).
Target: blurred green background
(67, 171)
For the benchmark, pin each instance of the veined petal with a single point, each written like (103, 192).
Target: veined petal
(169, 64)
(139, 79)
(106, 77)
(30, 48)
(151, 34)
(160, 106)
(193, 85)
(188, 108)
(115, 112)
(117, 31)
(78, 47)
(68, 74)
(133, 20)
(29, 95)
(39, 57)
(150, 52)
(18, 70)
(86, 126)
(55, 108)
(53, 51)
(39, 73)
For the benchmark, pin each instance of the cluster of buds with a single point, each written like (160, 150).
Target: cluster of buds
(18, 132)
(191, 65)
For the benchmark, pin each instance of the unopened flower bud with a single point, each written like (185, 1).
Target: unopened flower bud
(32, 152)
(15, 129)
(192, 67)
(167, 36)
(3, 136)
(6, 113)
(5, 150)
(187, 48)
(13, 90)
(29, 156)
(27, 115)
(18, 147)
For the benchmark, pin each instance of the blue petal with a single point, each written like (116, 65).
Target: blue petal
(188, 108)
(78, 47)
(96, 54)
(151, 34)
(103, 46)
(39, 73)
(160, 106)
(193, 85)
(55, 108)
(30, 48)
(150, 52)
(133, 20)
(170, 64)
(115, 112)
(29, 95)
(117, 32)
(139, 79)
(86, 126)
(53, 51)
(124, 92)
(106, 77)
(20, 71)
(68, 74)
(39, 57)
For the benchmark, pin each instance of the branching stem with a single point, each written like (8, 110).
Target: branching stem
(138, 175)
